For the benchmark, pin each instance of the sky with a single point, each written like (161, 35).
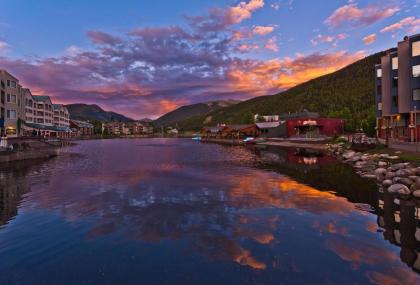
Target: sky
(144, 58)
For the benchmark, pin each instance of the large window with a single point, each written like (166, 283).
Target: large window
(395, 101)
(11, 98)
(395, 63)
(415, 48)
(416, 94)
(395, 82)
(379, 73)
(11, 114)
(416, 71)
(379, 106)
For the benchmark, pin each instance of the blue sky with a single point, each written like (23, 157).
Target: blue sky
(144, 58)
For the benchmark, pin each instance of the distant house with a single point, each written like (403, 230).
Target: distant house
(239, 131)
(212, 132)
(81, 128)
(272, 129)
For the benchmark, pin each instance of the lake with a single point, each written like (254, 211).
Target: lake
(175, 211)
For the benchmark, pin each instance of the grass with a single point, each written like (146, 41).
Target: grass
(404, 156)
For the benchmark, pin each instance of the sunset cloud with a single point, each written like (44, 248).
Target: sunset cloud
(355, 16)
(370, 39)
(332, 39)
(3, 47)
(272, 44)
(411, 24)
(244, 10)
(262, 30)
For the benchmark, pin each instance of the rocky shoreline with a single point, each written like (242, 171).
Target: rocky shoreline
(392, 176)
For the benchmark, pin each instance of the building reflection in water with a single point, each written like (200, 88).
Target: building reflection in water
(400, 220)
(13, 184)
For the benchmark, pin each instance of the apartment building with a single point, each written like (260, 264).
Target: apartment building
(397, 82)
(130, 128)
(12, 109)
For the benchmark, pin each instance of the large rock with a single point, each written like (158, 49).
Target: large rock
(382, 163)
(390, 175)
(387, 183)
(349, 154)
(380, 171)
(402, 173)
(398, 166)
(406, 181)
(399, 189)
(415, 186)
(416, 193)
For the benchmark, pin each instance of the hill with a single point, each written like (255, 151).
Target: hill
(348, 93)
(186, 112)
(85, 112)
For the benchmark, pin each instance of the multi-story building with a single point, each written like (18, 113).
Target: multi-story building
(397, 80)
(12, 107)
(81, 128)
(61, 116)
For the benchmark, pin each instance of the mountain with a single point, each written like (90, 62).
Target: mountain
(189, 111)
(348, 93)
(85, 112)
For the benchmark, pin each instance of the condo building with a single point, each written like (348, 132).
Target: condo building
(12, 108)
(397, 82)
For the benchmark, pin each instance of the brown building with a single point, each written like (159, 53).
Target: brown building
(81, 129)
(397, 80)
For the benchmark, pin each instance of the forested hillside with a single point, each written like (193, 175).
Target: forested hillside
(348, 93)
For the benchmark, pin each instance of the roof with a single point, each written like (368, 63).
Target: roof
(82, 124)
(41, 98)
(269, 125)
(48, 128)
(240, 127)
(57, 106)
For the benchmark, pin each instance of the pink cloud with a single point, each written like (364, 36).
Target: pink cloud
(272, 45)
(262, 30)
(370, 39)
(244, 10)
(352, 14)
(3, 47)
(328, 39)
(410, 23)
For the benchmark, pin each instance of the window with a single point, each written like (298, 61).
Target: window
(416, 94)
(379, 89)
(415, 48)
(11, 114)
(416, 71)
(380, 106)
(394, 63)
(395, 101)
(11, 98)
(13, 84)
(395, 82)
(379, 73)
(3, 95)
(8, 83)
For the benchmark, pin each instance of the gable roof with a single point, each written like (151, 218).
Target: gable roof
(269, 125)
(41, 98)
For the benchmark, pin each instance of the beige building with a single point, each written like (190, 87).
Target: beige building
(12, 107)
(130, 128)
(61, 116)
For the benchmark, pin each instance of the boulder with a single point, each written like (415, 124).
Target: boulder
(401, 173)
(369, 176)
(387, 183)
(349, 154)
(390, 175)
(382, 163)
(415, 186)
(406, 181)
(380, 171)
(399, 189)
(416, 193)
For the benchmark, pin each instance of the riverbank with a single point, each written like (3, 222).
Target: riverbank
(270, 142)
(30, 149)
(388, 170)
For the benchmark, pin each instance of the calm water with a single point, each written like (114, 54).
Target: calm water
(168, 211)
